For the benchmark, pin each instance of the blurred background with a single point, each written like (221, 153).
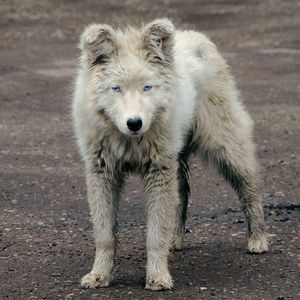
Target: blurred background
(46, 242)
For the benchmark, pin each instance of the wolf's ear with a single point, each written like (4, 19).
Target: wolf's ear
(158, 39)
(97, 42)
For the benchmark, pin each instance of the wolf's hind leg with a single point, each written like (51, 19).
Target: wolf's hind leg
(184, 192)
(235, 160)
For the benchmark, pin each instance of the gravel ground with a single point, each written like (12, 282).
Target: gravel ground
(46, 240)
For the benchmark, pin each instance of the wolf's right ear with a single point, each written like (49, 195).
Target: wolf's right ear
(97, 42)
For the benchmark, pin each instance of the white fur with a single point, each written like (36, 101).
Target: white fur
(193, 106)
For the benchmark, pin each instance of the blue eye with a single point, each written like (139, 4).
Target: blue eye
(116, 89)
(147, 88)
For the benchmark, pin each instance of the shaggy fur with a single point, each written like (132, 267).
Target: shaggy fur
(193, 107)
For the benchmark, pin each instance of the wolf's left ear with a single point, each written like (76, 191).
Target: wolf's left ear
(158, 39)
(97, 42)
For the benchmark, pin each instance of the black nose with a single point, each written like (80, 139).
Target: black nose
(134, 124)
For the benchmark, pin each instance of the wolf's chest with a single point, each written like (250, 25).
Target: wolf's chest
(129, 155)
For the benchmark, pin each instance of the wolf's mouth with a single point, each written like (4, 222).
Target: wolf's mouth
(136, 134)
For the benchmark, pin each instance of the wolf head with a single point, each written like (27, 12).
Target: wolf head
(130, 72)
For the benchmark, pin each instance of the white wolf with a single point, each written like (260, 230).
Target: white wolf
(145, 99)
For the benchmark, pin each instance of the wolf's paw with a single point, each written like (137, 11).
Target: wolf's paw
(159, 282)
(258, 245)
(92, 280)
(178, 242)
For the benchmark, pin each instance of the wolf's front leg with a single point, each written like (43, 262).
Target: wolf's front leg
(103, 189)
(161, 189)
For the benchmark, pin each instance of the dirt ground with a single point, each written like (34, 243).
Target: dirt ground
(46, 242)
